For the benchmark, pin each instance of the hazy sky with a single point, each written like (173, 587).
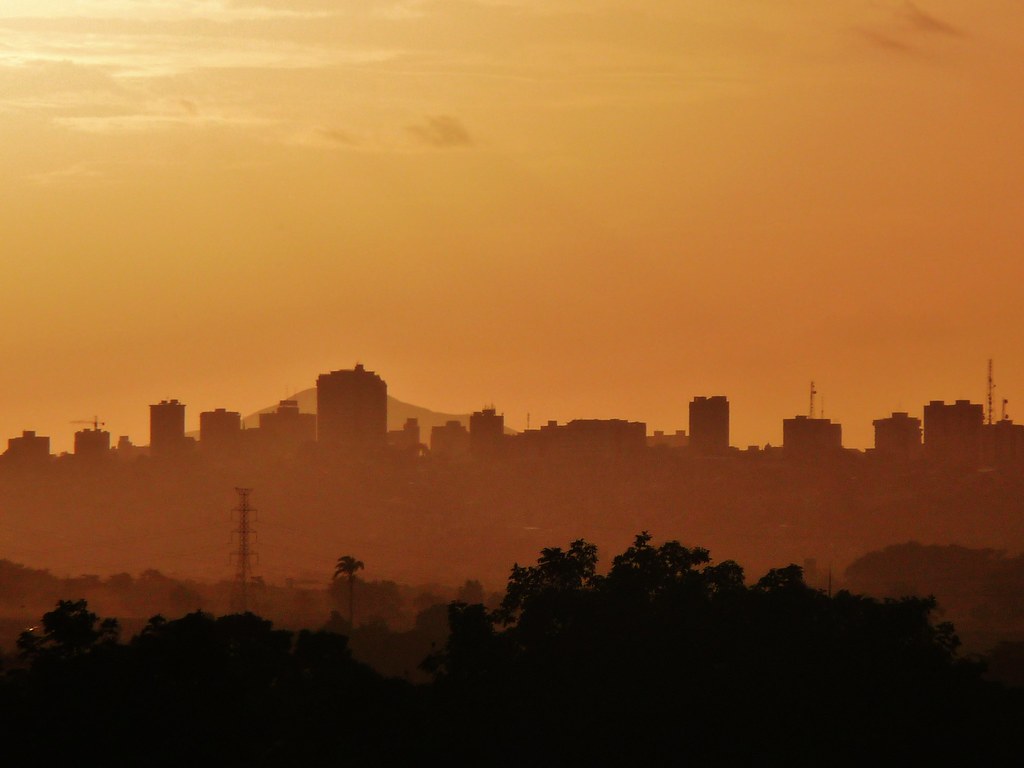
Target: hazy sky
(572, 208)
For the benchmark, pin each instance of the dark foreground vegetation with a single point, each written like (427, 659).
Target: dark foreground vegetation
(665, 659)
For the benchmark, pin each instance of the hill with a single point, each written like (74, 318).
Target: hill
(398, 412)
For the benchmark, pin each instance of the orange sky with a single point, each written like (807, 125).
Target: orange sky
(569, 208)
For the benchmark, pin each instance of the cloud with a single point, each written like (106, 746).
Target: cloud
(882, 40)
(925, 22)
(442, 131)
(79, 172)
(905, 29)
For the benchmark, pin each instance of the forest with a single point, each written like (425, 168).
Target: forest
(663, 655)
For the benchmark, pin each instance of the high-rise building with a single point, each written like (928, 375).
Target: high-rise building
(285, 429)
(220, 431)
(92, 444)
(807, 438)
(450, 441)
(30, 448)
(352, 409)
(1003, 444)
(486, 432)
(406, 439)
(952, 433)
(898, 436)
(167, 428)
(709, 424)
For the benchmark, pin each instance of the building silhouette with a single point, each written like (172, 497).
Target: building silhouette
(660, 439)
(1003, 444)
(952, 433)
(486, 433)
(28, 449)
(406, 439)
(586, 438)
(898, 437)
(807, 438)
(451, 441)
(92, 444)
(220, 431)
(167, 428)
(352, 409)
(285, 429)
(709, 425)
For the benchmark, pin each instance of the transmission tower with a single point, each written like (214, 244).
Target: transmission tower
(245, 553)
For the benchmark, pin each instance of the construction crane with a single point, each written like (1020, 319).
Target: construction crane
(96, 423)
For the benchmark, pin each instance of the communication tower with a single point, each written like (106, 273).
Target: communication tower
(991, 390)
(245, 554)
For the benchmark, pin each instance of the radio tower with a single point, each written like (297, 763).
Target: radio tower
(991, 389)
(244, 555)
(813, 393)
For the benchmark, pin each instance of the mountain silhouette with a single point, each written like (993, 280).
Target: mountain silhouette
(398, 412)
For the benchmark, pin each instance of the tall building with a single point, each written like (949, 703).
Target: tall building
(352, 409)
(486, 432)
(898, 436)
(286, 429)
(92, 444)
(220, 431)
(807, 438)
(167, 428)
(30, 448)
(952, 433)
(709, 424)
(450, 441)
(1003, 444)
(406, 439)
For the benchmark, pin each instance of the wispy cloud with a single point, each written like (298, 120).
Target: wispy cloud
(906, 28)
(442, 131)
(159, 120)
(926, 22)
(78, 172)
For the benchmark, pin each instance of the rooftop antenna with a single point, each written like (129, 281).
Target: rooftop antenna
(991, 390)
(1003, 416)
(813, 393)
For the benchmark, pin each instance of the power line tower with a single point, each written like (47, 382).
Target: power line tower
(244, 554)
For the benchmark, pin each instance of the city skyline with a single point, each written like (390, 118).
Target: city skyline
(364, 415)
(576, 210)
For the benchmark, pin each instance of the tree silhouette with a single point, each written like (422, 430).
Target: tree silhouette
(69, 631)
(347, 566)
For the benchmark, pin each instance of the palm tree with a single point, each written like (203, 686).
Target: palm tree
(347, 566)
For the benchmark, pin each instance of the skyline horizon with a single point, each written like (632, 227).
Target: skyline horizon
(61, 441)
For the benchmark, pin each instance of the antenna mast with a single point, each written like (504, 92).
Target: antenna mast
(813, 393)
(244, 554)
(991, 390)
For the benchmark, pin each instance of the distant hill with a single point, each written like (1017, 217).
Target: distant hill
(398, 412)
